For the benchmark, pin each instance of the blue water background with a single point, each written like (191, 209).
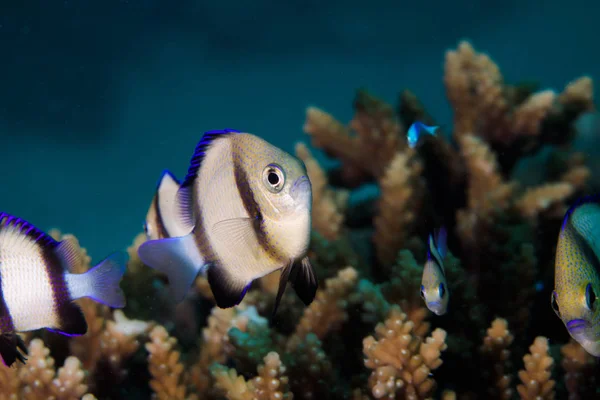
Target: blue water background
(98, 97)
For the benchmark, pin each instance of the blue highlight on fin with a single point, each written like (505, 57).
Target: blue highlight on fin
(593, 198)
(27, 229)
(200, 151)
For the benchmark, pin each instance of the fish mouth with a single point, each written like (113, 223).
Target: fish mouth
(302, 190)
(577, 325)
(435, 306)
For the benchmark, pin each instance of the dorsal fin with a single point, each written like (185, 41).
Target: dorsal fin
(184, 194)
(594, 198)
(25, 228)
(441, 236)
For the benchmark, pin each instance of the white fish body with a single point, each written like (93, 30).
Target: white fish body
(162, 219)
(244, 227)
(37, 287)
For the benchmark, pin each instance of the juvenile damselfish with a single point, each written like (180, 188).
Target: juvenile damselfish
(37, 287)
(576, 273)
(434, 288)
(416, 130)
(247, 206)
(162, 219)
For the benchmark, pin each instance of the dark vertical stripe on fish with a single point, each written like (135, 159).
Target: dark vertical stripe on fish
(56, 278)
(252, 208)
(160, 226)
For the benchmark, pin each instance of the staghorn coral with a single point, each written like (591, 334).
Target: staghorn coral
(270, 384)
(401, 361)
(495, 348)
(368, 334)
(536, 376)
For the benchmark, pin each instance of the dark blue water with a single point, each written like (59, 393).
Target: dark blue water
(96, 100)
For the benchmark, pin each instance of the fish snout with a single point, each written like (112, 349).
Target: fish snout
(435, 307)
(577, 326)
(302, 191)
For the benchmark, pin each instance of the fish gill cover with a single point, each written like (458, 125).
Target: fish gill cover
(368, 333)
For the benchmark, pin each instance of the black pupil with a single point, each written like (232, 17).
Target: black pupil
(423, 291)
(591, 296)
(273, 178)
(442, 290)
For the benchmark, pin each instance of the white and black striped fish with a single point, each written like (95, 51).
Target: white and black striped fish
(37, 288)
(247, 205)
(434, 287)
(162, 219)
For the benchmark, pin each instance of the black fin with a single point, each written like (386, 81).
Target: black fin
(72, 320)
(283, 280)
(10, 344)
(304, 281)
(228, 290)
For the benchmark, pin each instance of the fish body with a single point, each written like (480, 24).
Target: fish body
(434, 288)
(416, 130)
(576, 273)
(37, 288)
(162, 219)
(247, 205)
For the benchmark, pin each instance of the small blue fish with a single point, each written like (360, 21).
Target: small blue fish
(434, 288)
(415, 131)
(37, 288)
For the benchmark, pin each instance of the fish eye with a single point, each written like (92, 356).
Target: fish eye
(273, 178)
(442, 290)
(423, 292)
(554, 303)
(590, 296)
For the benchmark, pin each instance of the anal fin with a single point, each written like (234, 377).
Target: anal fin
(12, 348)
(71, 320)
(228, 290)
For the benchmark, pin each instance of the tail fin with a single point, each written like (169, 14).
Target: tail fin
(178, 258)
(441, 236)
(101, 283)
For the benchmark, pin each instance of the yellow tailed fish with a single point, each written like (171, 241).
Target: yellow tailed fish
(247, 205)
(162, 220)
(576, 273)
(434, 289)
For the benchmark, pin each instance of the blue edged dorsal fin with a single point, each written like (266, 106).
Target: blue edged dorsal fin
(184, 194)
(594, 198)
(164, 177)
(441, 237)
(21, 227)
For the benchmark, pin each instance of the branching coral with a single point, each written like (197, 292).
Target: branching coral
(536, 376)
(401, 361)
(368, 334)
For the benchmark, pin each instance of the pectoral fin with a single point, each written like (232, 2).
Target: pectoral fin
(12, 348)
(239, 233)
(304, 281)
